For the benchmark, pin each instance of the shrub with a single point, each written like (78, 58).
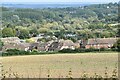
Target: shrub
(103, 49)
(34, 51)
(83, 50)
(11, 52)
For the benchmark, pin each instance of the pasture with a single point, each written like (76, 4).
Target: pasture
(59, 65)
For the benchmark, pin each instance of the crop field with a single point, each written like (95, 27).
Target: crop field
(60, 65)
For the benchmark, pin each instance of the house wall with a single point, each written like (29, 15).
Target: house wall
(67, 47)
(98, 46)
(14, 46)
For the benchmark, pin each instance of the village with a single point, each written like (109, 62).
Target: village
(59, 39)
(56, 44)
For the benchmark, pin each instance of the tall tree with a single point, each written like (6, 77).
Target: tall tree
(118, 32)
(23, 34)
(8, 32)
(1, 44)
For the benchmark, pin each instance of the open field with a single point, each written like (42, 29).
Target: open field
(58, 65)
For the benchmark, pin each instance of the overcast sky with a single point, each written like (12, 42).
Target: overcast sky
(58, 1)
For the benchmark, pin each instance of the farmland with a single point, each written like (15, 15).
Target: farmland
(59, 65)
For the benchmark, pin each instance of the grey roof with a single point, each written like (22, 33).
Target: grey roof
(43, 46)
(20, 46)
(68, 43)
(10, 40)
(101, 41)
(55, 46)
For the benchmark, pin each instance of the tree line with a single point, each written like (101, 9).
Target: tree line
(84, 22)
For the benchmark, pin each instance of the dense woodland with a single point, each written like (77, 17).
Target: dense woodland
(93, 21)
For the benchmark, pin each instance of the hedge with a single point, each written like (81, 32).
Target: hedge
(82, 50)
(12, 52)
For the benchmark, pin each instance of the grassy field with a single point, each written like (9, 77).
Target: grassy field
(58, 65)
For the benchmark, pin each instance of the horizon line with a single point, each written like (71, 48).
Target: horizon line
(53, 2)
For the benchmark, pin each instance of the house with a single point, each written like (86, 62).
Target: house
(61, 44)
(67, 44)
(83, 43)
(14, 43)
(44, 46)
(8, 40)
(77, 44)
(100, 43)
(19, 46)
(41, 35)
(55, 46)
(33, 46)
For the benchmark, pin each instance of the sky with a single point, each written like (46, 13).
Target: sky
(102, 1)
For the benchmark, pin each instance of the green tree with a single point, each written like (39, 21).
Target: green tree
(1, 44)
(0, 33)
(43, 30)
(118, 32)
(8, 32)
(118, 41)
(106, 34)
(34, 32)
(117, 45)
(23, 34)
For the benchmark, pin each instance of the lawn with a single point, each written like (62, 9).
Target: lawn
(58, 65)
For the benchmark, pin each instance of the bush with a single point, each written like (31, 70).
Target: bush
(66, 51)
(114, 49)
(34, 51)
(83, 50)
(103, 49)
(11, 52)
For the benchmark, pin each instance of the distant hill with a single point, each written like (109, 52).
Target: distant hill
(44, 5)
(82, 20)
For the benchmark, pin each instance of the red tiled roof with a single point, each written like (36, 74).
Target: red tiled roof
(101, 41)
